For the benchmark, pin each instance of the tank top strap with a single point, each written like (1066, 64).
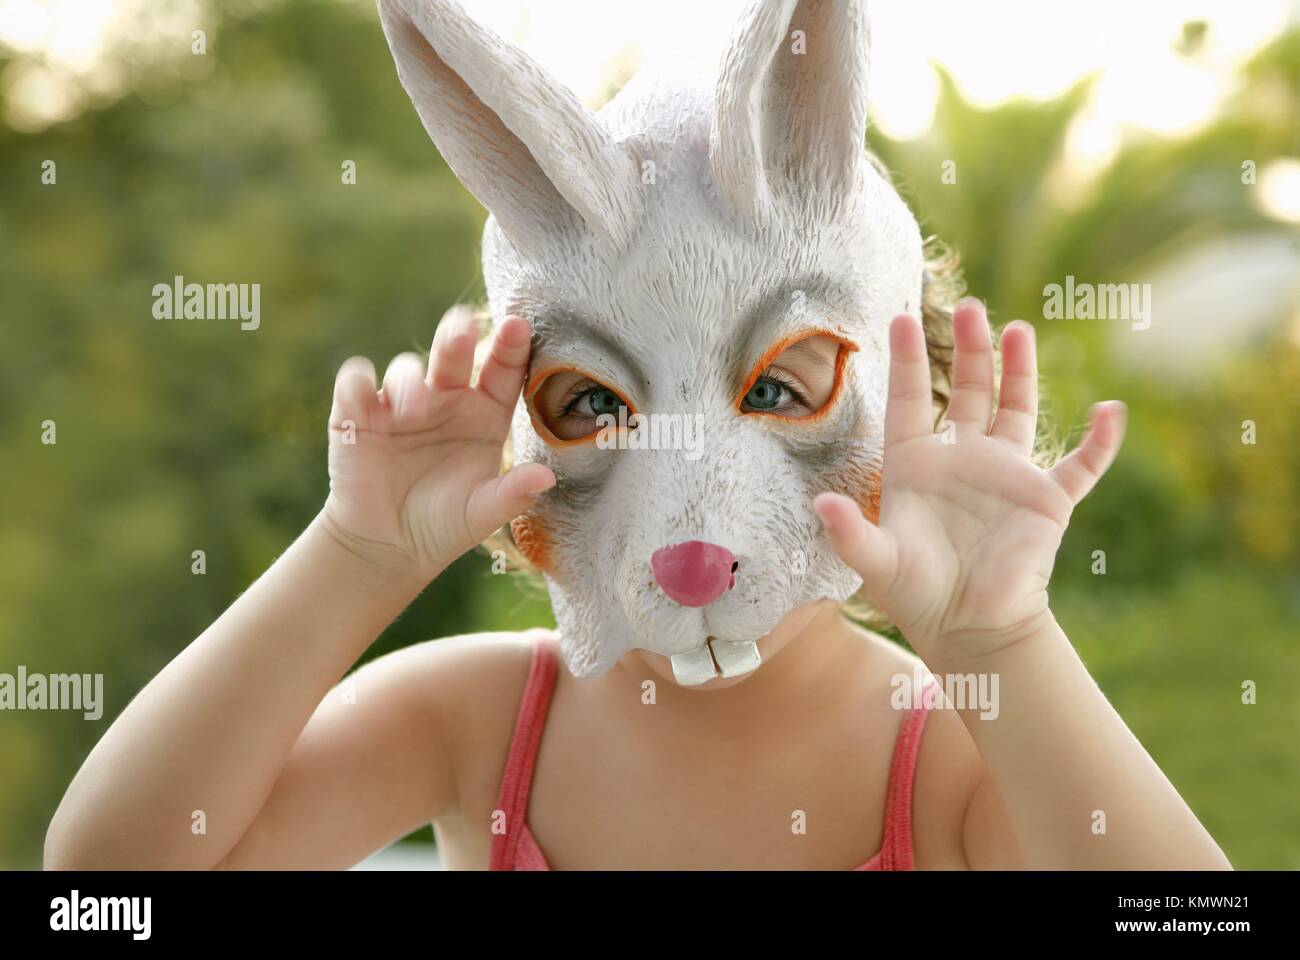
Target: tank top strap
(896, 848)
(517, 779)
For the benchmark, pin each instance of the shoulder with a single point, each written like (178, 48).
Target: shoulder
(461, 693)
(949, 769)
(488, 658)
(483, 667)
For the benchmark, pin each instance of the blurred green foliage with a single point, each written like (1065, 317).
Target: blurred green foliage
(175, 436)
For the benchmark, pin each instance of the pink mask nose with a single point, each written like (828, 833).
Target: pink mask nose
(694, 573)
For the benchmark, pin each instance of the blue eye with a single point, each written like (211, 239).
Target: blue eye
(767, 393)
(595, 402)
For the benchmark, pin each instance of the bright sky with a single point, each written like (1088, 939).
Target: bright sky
(995, 49)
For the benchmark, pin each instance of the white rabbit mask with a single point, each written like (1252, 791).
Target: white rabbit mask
(668, 248)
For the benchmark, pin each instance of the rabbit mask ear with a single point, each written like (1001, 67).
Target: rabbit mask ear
(791, 105)
(538, 159)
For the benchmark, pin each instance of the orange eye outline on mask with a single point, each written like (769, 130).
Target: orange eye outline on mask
(535, 382)
(770, 356)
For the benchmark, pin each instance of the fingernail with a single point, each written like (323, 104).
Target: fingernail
(969, 302)
(539, 487)
(819, 507)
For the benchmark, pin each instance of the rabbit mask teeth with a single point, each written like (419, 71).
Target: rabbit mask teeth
(663, 247)
(716, 658)
(695, 667)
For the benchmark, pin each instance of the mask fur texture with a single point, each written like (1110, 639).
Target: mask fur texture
(664, 245)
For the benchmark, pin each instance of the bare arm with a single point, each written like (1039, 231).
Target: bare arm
(1081, 790)
(229, 757)
(961, 558)
(209, 736)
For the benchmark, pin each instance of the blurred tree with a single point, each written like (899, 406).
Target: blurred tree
(182, 435)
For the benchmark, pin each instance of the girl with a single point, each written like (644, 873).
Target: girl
(239, 724)
(713, 708)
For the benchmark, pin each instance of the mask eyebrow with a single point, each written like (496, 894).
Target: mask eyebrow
(761, 322)
(583, 339)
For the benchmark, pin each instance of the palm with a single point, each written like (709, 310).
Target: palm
(969, 525)
(414, 467)
(406, 479)
(977, 528)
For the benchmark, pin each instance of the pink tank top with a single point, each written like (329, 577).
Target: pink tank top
(517, 849)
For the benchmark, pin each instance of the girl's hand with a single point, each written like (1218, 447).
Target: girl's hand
(969, 526)
(414, 467)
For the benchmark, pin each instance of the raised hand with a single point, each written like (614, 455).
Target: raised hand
(414, 465)
(969, 526)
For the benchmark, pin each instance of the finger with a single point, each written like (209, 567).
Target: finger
(502, 375)
(909, 412)
(1079, 472)
(859, 542)
(355, 393)
(971, 406)
(451, 357)
(1017, 418)
(404, 384)
(494, 503)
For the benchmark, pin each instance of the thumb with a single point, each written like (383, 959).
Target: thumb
(495, 502)
(859, 542)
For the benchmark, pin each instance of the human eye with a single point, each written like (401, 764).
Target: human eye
(796, 380)
(775, 392)
(568, 405)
